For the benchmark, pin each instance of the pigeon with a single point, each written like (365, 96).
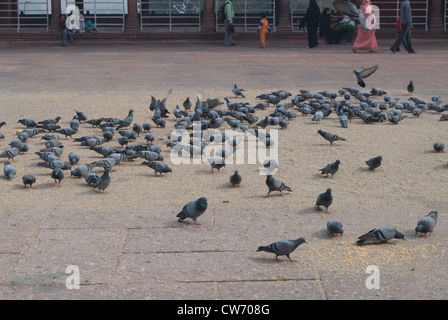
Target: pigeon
(324, 199)
(73, 158)
(439, 147)
(187, 104)
(363, 73)
(158, 166)
(410, 87)
(126, 122)
(123, 141)
(103, 181)
(331, 137)
(67, 132)
(53, 164)
(57, 174)
(382, 234)
(352, 10)
(8, 170)
(146, 127)
(81, 116)
(29, 179)
(216, 163)
(82, 170)
(91, 178)
(29, 123)
(427, 223)
(275, 185)
(74, 123)
(374, 163)
(10, 153)
(137, 129)
(106, 162)
(238, 92)
(283, 247)
(193, 209)
(50, 121)
(57, 151)
(334, 227)
(343, 119)
(149, 155)
(51, 136)
(331, 168)
(235, 179)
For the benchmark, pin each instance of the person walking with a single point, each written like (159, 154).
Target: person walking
(263, 29)
(228, 22)
(65, 32)
(366, 39)
(406, 27)
(311, 19)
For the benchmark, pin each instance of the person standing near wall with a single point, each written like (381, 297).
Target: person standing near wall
(230, 14)
(311, 19)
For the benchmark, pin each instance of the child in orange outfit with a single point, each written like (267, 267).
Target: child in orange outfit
(263, 28)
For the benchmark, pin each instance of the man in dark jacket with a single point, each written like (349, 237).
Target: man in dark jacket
(406, 27)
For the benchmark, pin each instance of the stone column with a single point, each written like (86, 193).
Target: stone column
(435, 22)
(132, 22)
(208, 20)
(284, 20)
(55, 12)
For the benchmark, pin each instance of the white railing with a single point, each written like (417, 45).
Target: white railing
(390, 11)
(247, 14)
(106, 15)
(170, 15)
(25, 15)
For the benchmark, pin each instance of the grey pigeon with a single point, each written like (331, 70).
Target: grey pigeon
(275, 185)
(91, 178)
(427, 223)
(159, 167)
(382, 234)
(82, 170)
(29, 179)
(67, 132)
(235, 179)
(193, 210)
(103, 181)
(439, 146)
(331, 137)
(57, 174)
(374, 163)
(106, 162)
(238, 92)
(8, 170)
(53, 164)
(29, 123)
(363, 73)
(324, 199)
(334, 227)
(50, 120)
(187, 104)
(343, 119)
(352, 10)
(331, 168)
(10, 153)
(283, 247)
(126, 122)
(81, 115)
(410, 87)
(73, 158)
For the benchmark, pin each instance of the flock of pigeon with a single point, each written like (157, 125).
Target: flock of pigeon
(373, 106)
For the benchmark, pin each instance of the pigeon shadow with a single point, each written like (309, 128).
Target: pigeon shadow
(267, 260)
(310, 210)
(227, 186)
(431, 152)
(441, 167)
(322, 234)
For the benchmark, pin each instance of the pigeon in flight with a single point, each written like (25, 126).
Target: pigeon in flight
(363, 73)
(352, 10)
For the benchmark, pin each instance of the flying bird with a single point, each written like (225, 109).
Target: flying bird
(352, 10)
(363, 73)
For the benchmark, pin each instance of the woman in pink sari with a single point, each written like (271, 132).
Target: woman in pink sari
(365, 39)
